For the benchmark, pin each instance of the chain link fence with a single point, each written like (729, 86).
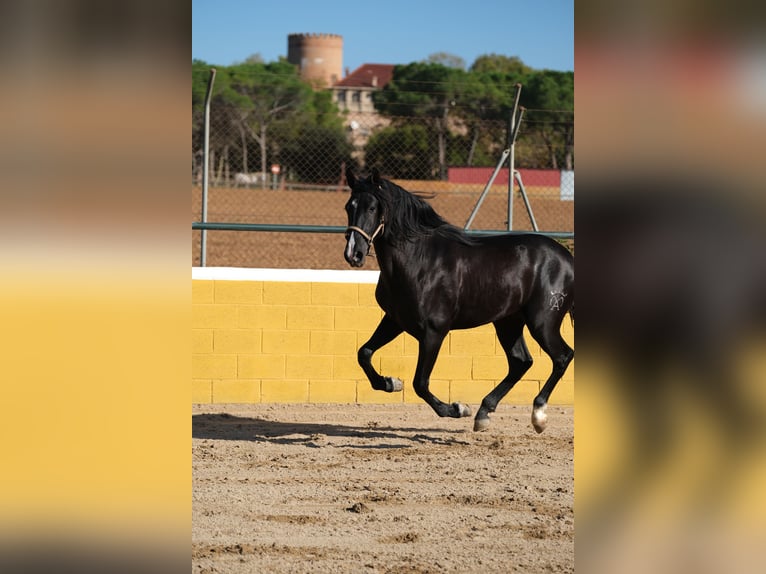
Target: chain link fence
(292, 173)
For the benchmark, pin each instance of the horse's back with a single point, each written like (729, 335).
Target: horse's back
(538, 256)
(500, 275)
(532, 252)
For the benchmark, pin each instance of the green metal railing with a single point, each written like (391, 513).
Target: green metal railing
(212, 226)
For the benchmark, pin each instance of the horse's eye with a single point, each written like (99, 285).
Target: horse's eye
(372, 209)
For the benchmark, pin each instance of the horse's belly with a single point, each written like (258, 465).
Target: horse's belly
(469, 322)
(461, 310)
(476, 310)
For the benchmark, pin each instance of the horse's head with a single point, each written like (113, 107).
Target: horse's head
(365, 217)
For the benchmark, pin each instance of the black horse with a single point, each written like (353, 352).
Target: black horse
(435, 278)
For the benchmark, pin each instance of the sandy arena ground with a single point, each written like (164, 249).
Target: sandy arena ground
(380, 489)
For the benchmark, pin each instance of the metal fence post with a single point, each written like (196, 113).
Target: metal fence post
(206, 169)
(512, 131)
(487, 187)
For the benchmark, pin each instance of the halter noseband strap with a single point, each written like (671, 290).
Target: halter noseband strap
(363, 233)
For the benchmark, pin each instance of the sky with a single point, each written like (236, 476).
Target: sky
(540, 32)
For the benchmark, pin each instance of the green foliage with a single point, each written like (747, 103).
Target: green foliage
(553, 92)
(494, 63)
(265, 91)
(549, 90)
(312, 140)
(420, 89)
(200, 75)
(441, 115)
(263, 113)
(447, 59)
(323, 110)
(425, 90)
(459, 105)
(402, 152)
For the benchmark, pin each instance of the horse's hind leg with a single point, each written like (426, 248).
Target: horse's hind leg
(428, 350)
(386, 332)
(545, 329)
(510, 334)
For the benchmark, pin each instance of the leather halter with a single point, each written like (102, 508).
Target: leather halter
(363, 233)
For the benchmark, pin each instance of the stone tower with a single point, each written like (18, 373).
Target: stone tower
(318, 56)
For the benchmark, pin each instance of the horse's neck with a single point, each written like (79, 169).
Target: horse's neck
(384, 253)
(397, 263)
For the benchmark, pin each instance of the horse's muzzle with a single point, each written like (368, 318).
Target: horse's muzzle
(355, 253)
(357, 260)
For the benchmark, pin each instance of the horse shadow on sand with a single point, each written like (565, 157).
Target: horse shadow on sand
(223, 426)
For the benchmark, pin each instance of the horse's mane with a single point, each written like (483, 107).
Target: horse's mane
(409, 216)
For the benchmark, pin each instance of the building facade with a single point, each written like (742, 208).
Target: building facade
(354, 92)
(353, 96)
(319, 57)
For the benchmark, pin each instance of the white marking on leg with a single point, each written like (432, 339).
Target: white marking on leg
(539, 418)
(396, 384)
(462, 410)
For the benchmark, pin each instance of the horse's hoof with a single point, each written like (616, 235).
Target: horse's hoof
(462, 410)
(394, 385)
(539, 419)
(481, 424)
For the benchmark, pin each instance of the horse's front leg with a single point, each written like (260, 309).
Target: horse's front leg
(430, 343)
(386, 332)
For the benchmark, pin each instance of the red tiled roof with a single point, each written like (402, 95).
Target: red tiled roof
(363, 75)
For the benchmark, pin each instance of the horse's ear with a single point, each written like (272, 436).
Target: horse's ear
(350, 178)
(375, 176)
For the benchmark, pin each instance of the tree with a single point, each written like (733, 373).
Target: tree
(315, 153)
(551, 95)
(266, 93)
(311, 142)
(424, 90)
(440, 115)
(200, 76)
(401, 152)
(495, 63)
(487, 100)
(446, 59)
(255, 58)
(269, 105)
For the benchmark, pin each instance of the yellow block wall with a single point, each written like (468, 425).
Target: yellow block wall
(296, 342)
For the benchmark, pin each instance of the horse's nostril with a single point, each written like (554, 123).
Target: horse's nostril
(358, 258)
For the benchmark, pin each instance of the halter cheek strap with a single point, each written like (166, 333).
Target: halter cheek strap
(363, 233)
